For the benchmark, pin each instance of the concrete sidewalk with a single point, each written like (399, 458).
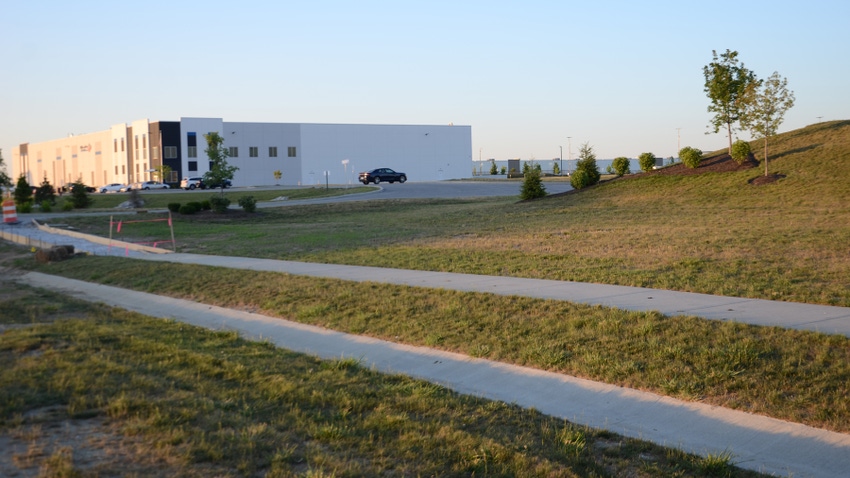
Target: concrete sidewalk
(818, 318)
(755, 442)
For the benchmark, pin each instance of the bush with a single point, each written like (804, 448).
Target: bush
(586, 163)
(46, 206)
(504, 170)
(580, 179)
(25, 207)
(647, 161)
(174, 206)
(532, 186)
(691, 157)
(197, 206)
(741, 151)
(204, 205)
(493, 169)
(248, 203)
(190, 208)
(68, 206)
(620, 166)
(219, 203)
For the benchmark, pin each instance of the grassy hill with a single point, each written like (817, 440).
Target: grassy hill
(712, 232)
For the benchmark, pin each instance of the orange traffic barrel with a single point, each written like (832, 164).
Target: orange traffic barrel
(10, 215)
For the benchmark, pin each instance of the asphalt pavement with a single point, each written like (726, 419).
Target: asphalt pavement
(755, 442)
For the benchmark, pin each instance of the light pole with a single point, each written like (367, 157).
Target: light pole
(569, 150)
(561, 156)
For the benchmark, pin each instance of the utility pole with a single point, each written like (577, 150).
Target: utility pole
(678, 141)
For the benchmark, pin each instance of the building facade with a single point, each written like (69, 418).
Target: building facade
(304, 153)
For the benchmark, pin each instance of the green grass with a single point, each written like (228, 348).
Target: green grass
(788, 374)
(712, 233)
(158, 199)
(202, 403)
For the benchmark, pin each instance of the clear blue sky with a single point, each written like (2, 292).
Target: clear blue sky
(620, 75)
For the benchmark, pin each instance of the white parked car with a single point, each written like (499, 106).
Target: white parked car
(150, 185)
(110, 188)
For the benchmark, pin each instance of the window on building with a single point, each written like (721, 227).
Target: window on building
(193, 151)
(115, 144)
(155, 152)
(144, 141)
(233, 152)
(290, 152)
(122, 145)
(136, 142)
(253, 151)
(193, 165)
(170, 152)
(116, 173)
(123, 169)
(272, 151)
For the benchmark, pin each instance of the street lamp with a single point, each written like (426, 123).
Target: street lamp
(569, 150)
(562, 159)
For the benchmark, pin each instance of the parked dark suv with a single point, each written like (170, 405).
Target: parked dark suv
(382, 174)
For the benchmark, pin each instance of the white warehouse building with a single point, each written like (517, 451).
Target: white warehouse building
(304, 153)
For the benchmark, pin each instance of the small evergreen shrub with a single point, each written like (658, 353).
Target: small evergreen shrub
(620, 166)
(68, 206)
(587, 164)
(532, 186)
(197, 206)
(174, 206)
(691, 157)
(46, 206)
(190, 208)
(248, 203)
(79, 196)
(493, 169)
(504, 170)
(647, 161)
(219, 204)
(25, 207)
(740, 151)
(205, 205)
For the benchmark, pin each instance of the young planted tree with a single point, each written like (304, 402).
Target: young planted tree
(587, 172)
(45, 194)
(532, 185)
(726, 83)
(23, 191)
(766, 102)
(220, 172)
(164, 172)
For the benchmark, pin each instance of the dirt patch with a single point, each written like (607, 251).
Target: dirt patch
(48, 443)
(769, 179)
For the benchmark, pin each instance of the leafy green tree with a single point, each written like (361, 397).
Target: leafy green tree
(691, 157)
(493, 169)
(45, 193)
(163, 171)
(726, 83)
(5, 180)
(220, 171)
(23, 191)
(532, 185)
(620, 166)
(766, 102)
(646, 161)
(556, 168)
(740, 151)
(586, 172)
